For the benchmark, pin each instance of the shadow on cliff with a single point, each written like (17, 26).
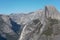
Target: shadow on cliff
(16, 27)
(1, 38)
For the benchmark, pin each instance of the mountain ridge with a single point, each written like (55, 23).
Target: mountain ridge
(31, 26)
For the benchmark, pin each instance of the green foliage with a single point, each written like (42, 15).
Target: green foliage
(49, 25)
(52, 21)
(48, 32)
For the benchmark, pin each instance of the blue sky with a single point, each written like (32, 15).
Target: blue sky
(19, 6)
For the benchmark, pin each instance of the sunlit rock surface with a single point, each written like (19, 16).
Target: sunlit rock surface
(42, 24)
(46, 28)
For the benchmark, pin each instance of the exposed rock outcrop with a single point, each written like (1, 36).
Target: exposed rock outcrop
(39, 25)
(45, 28)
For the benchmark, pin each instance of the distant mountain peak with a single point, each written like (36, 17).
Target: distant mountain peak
(31, 25)
(50, 8)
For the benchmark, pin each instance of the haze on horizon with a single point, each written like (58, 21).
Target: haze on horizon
(19, 6)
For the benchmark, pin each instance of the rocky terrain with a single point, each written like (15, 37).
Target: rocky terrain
(39, 25)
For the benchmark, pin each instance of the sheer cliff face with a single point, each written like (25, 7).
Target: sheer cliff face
(39, 25)
(7, 31)
(45, 27)
(52, 12)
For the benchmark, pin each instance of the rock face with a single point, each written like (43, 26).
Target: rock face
(7, 30)
(39, 25)
(45, 27)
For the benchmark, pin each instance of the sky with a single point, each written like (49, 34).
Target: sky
(25, 6)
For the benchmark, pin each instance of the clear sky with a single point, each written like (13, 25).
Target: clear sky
(18, 6)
